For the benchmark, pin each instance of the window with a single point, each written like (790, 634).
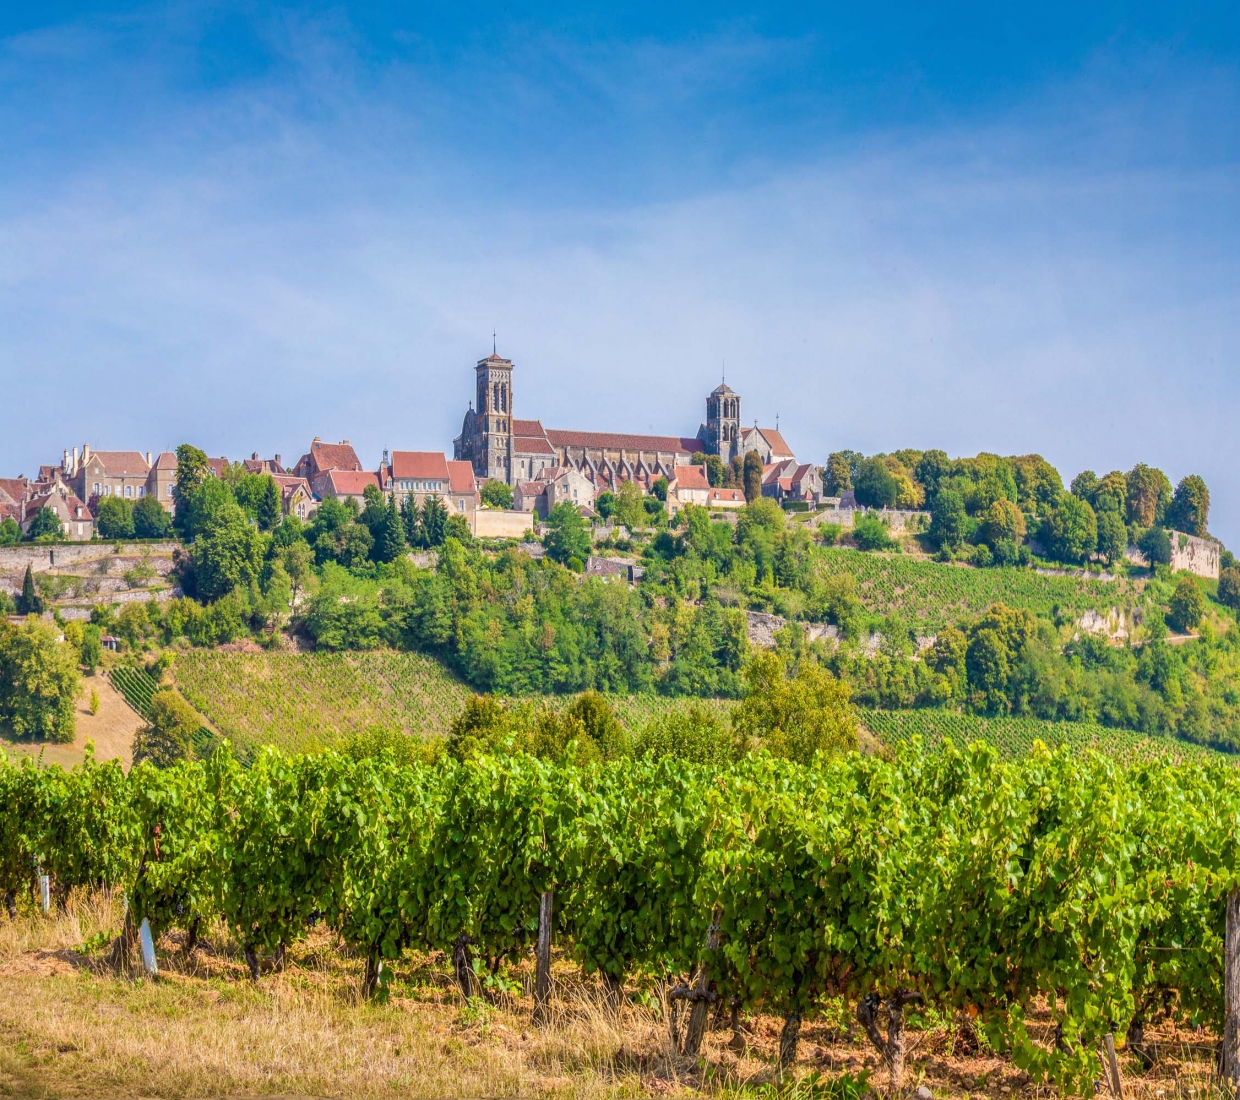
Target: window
(301, 509)
(141, 491)
(461, 505)
(169, 489)
(95, 488)
(107, 490)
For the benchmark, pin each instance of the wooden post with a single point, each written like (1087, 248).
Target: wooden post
(45, 893)
(542, 958)
(1230, 1061)
(1113, 1065)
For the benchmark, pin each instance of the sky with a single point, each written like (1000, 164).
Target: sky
(893, 225)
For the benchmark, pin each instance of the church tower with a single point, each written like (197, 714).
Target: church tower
(492, 450)
(723, 422)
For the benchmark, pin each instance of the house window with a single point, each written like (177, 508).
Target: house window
(128, 492)
(301, 510)
(169, 490)
(95, 488)
(107, 490)
(461, 505)
(141, 491)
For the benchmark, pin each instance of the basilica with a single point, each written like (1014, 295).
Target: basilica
(502, 446)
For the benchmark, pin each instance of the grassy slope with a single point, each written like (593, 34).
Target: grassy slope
(297, 700)
(931, 594)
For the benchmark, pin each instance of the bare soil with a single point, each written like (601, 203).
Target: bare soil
(112, 729)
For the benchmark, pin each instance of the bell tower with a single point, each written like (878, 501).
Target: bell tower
(723, 422)
(493, 432)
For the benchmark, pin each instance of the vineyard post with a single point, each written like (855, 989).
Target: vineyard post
(1230, 1061)
(148, 948)
(1113, 1065)
(542, 971)
(45, 892)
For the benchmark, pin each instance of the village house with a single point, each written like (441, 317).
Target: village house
(554, 485)
(343, 485)
(296, 496)
(161, 479)
(790, 481)
(326, 456)
(689, 486)
(94, 475)
(13, 493)
(424, 474)
(725, 500)
(256, 465)
(77, 521)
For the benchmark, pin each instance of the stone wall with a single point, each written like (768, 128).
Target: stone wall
(1189, 554)
(43, 558)
(495, 523)
(899, 519)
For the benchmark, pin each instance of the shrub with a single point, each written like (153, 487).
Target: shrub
(871, 533)
(1186, 606)
(39, 682)
(1229, 587)
(168, 735)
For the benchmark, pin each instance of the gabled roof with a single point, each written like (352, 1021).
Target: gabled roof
(334, 456)
(12, 490)
(121, 463)
(723, 389)
(218, 465)
(531, 445)
(691, 477)
(774, 440)
(351, 483)
(289, 485)
(726, 494)
(461, 477)
(167, 460)
(419, 464)
(620, 441)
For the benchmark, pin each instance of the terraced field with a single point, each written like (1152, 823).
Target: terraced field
(931, 594)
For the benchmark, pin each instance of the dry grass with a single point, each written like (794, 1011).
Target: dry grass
(112, 729)
(69, 1026)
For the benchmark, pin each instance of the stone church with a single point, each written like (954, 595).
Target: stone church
(512, 450)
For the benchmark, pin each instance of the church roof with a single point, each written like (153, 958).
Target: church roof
(12, 490)
(723, 388)
(421, 464)
(777, 443)
(620, 441)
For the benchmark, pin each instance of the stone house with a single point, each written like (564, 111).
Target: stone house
(13, 494)
(791, 480)
(77, 521)
(323, 457)
(95, 475)
(296, 496)
(343, 485)
(689, 486)
(256, 465)
(161, 478)
(423, 474)
(723, 500)
(768, 443)
(554, 485)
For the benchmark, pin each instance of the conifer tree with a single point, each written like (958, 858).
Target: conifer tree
(31, 601)
(390, 540)
(269, 505)
(410, 520)
(434, 521)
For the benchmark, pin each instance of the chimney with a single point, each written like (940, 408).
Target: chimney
(254, 457)
(85, 453)
(279, 463)
(75, 460)
(64, 464)
(148, 458)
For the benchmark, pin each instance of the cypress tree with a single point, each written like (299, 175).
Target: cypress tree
(269, 505)
(410, 519)
(31, 601)
(390, 543)
(434, 521)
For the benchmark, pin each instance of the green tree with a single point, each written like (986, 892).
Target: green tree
(1085, 485)
(168, 736)
(794, 716)
(39, 682)
(496, 493)
(434, 521)
(45, 527)
(1149, 495)
(411, 520)
(1186, 606)
(353, 545)
(114, 518)
(1003, 522)
(30, 602)
(10, 532)
(150, 520)
(871, 533)
(390, 541)
(997, 645)
(715, 473)
(1038, 483)
(457, 528)
(1071, 530)
(567, 535)
(659, 488)
(605, 504)
(1190, 506)
(193, 469)
(949, 522)
(629, 509)
(1229, 587)
(837, 475)
(1112, 535)
(269, 504)
(228, 554)
(91, 649)
(875, 485)
(751, 473)
(1155, 544)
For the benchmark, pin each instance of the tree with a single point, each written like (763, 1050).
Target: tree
(567, 536)
(114, 518)
(1190, 506)
(168, 735)
(1003, 522)
(228, 554)
(1186, 606)
(45, 527)
(837, 475)
(796, 717)
(411, 520)
(1038, 483)
(949, 523)
(90, 652)
(1071, 529)
(10, 532)
(875, 485)
(390, 538)
(193, 469)
(1155, 545)
(374, 512)
(659, 488)
(1149, 494)
(1084, 485)
(1229, 587)
(39, 682)
(496, 494)
(353, 545)
(1111, 494)
(715, 473)
(605, 504)
(1112, 535)
(996, 645)
(751, 474)
(434, 521)
(30, 602)
(871, 533)
(457, 528)
(298, 561)
(629, 509)
(932, 469)
(269, 505)
(150, 521)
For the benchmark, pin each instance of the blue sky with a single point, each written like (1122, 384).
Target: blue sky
(900, 225)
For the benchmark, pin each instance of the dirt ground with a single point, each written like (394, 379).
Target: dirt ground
(71, 1026)
(112, 729)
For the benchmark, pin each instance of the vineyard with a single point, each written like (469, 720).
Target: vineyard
(1066, 883)
(137, 687)
(296, 701)
(1015, 737)
(932, 594)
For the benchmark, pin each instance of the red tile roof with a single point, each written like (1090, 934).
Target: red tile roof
(334, 456)
(620, 441)
(12, 489)
(288, 485)
(121, 463)
(527, 427)
(532, 445)
(218, 466)
(420, 464)
(351, 483)
(691, 477)
(726, 494)
(166, 461)
(461, 477)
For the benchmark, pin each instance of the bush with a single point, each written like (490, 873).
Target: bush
(796, 717)
(1155, 544)
(150, 521)
(830, 533)
(1186, 606)
(1229, 587)
(694, 735)
(168, 735)
(114, 518)
(871, 533)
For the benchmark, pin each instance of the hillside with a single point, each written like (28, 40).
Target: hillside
(299, 700)
(931, 594)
